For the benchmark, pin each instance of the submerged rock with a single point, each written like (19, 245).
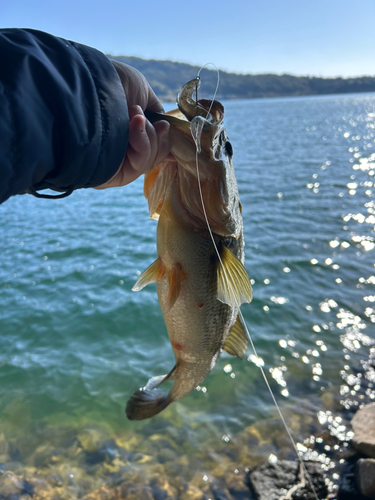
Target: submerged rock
(192, 493)
(90, 439)
(12, 485)
(365, 476)
(4, 448)
(363, 424)
(273, 480)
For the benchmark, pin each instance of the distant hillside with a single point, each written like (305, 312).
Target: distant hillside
(167, 78)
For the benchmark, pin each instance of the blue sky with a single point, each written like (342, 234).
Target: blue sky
(321, 38)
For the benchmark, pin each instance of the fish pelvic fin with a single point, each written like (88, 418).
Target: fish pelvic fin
(233, 282)
(236, 342)
(146, 403)
(175, 277)
(155, 272)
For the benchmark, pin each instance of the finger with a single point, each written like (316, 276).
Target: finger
(142, 136)
(144, 154)
(163, 142)
(148, 146)
(127, 174)
(134, 110)
(153, 103)
(138, 151)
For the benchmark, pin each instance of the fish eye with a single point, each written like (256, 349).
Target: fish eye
(228, 149)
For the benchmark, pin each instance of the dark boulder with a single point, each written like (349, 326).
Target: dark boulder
(365, 476)
(348, 489)
(273, 480)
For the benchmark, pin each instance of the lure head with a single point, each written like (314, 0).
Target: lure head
(212, 111)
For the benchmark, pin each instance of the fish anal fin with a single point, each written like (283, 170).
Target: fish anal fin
(236, 342)
(155, 382)
(175, 277)
(155, 272)
(233, 282)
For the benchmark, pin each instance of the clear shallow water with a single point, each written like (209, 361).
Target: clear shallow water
(76, 342)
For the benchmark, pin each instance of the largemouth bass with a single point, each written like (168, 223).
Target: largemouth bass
(200, 287)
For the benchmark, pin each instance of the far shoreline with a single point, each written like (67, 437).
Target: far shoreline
(167, 78)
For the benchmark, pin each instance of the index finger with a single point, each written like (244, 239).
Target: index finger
(153, 103)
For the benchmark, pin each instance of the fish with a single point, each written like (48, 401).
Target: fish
(199, 270)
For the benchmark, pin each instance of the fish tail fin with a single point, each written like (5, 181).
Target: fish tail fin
(146, 403)
(149, 400)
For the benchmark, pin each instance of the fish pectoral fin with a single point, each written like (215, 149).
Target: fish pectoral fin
(175, 277)
(236, 342)
(153, 273)
(233, 282)
(150, 179)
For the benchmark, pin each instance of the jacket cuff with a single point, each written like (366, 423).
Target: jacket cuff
(114, 116)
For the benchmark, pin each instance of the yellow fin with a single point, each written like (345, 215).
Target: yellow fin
(233, 283)
(175, 276)
(155, 272)
(236, 341)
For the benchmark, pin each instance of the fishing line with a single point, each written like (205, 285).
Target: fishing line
(217, 84)
(196, 133)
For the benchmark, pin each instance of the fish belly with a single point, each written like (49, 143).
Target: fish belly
(198, 322)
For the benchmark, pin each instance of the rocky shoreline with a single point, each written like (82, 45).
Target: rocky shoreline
(357, 480)
(90, 464)
(159, 461)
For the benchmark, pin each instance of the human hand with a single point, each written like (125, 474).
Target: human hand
(148, 143)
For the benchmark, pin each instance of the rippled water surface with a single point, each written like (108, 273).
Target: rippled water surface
(76, 342)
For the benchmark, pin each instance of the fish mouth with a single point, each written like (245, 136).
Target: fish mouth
(211, 111)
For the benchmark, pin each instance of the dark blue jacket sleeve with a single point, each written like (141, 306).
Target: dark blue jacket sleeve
(63, 114)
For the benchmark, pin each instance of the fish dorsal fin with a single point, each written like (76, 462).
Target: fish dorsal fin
(233, 283)
(175, 276)
(153, 273)
(236, 342)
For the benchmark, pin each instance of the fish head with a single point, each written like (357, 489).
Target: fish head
(204, 165)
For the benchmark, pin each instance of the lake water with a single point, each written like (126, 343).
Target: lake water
(76, 342)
